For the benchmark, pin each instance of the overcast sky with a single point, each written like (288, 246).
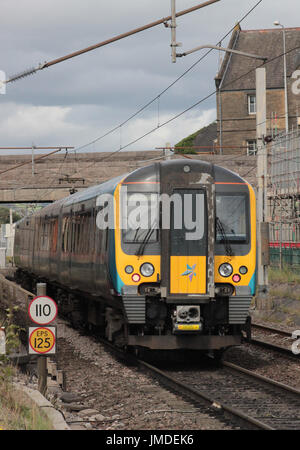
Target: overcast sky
(76, 101)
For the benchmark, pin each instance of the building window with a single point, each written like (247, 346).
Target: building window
(251, 104)
(251, 147)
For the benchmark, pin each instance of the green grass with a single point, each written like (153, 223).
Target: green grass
(17, 411)
(285, 292)
(285, 275)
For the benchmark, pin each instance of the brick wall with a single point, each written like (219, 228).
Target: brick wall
(238, 125)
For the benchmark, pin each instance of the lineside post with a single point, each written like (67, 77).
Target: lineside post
(262, 224)
(41, 289)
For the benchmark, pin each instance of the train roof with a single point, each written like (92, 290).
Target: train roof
(150, 173)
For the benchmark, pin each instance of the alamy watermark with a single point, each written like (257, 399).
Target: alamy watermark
(296, 344)
(296, 84)
(150, 211)
(2, 82)
(2, 341)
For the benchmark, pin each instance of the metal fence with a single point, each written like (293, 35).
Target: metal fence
(284, 200)
(285, 256)
(285, 164)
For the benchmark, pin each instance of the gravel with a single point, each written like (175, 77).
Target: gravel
(266, 362)
(116, 396)
(103, 393)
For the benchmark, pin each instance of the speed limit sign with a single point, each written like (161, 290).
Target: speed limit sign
(42, 340)
(42, 310)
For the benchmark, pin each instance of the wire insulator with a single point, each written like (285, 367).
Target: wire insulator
(24, 74)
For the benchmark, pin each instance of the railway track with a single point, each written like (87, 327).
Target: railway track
(198, 398)
(247, 399)
(253, 400)
(274, 339)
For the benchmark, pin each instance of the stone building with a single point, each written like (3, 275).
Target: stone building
(235, 83)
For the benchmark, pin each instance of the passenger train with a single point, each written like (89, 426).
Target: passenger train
(163, 257)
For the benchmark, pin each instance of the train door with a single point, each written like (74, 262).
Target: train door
(187, 244)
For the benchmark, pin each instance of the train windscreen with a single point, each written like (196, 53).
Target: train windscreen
(140, 218)
(232, 221)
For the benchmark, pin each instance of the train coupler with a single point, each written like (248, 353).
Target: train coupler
(186, 318)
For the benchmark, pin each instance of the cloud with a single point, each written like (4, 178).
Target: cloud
(24, 125)
(81, 98)
(153, 133)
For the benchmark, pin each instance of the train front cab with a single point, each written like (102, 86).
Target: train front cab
(199, 292)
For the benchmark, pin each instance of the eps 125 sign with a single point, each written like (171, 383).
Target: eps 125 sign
(42, 310)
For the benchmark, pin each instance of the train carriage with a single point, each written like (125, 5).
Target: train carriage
(163, 257)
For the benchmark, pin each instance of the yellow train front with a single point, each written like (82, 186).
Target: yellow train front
(162, 258)
(185, 256)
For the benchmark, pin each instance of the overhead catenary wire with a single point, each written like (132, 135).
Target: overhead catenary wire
(29, 162)
(170, 85)
(183, 112)
(189, 108)
(197, 103)
(154, 129)
(46, 64)
(158, 96)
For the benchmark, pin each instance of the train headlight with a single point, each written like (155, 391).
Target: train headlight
(225, 270)
(128, 269)
(147, 269)
(243, 270)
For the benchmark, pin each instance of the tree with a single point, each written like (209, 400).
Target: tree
(187, 142)
(4, 215)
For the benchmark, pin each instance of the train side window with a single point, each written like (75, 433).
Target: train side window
(77, 233)
(37, 229)
(86, 233)
(65, 235)
(40, 233)
(105, 232)
(69, 234)
(54, 235)
(92, 227)
(87, 240)
(85, 246)
(43, 235)
(103, 240)
(73, 235)
(81, 234)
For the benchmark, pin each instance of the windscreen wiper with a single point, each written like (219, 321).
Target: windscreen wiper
(221, 230)
(141, 249)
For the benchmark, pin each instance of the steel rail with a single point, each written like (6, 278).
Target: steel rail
(278, 348)
(275, 347)
(185, 390)
(261, 378)
(269, 328)
(200, 396)
(197, 395)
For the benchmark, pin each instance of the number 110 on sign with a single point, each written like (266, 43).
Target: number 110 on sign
(42, 310)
